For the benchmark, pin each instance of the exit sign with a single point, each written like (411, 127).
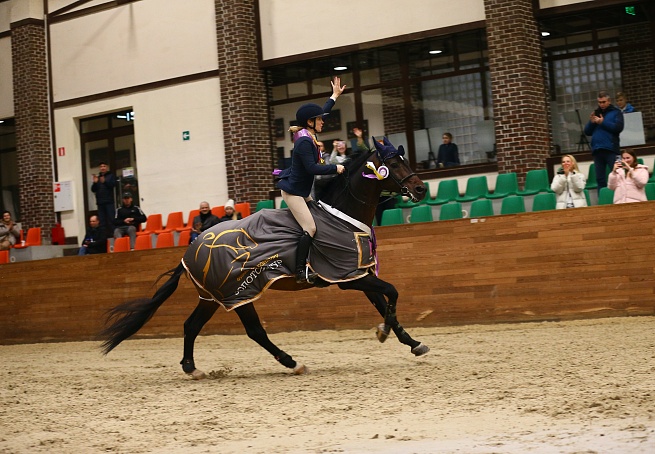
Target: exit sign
(630, 10)
(186, 135)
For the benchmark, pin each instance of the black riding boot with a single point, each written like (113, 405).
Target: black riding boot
(303, 275)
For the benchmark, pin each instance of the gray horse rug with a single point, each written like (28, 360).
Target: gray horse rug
(234, 262)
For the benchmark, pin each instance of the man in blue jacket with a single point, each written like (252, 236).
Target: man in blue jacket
(604, 126)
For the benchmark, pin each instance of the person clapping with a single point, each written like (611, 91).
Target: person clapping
(569, 184)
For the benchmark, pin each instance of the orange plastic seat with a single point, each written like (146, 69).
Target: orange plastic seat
(143, 242)
(184, 238)
(174, 221)
(189, 222)
(4, 257)
(33, 238)
(164, 240)
(219, 212)
(243, 208)
(122, 244)
(153, 223)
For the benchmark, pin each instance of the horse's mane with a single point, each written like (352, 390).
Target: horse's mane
(334, 188)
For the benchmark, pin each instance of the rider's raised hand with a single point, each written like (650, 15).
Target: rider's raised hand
(340, 168)
(337, 88)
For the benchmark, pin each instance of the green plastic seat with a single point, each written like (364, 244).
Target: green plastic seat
(481, 208)
(284, 204)
(265, 204)
(512, 204)
(476, 187)
(421, 213)
(506, 184)
(592, 182)
(605, 196)
(392, 216)
(544, 201)
(451, 210)
(650, 191)
(447, 191)
(536, 181)
(401, 203)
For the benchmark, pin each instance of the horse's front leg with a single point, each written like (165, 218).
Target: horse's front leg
(255, 331)
(201, 315)
(376, 290)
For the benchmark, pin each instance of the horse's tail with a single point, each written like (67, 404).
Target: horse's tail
(126, 319)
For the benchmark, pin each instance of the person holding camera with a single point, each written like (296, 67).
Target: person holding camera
(103, 187)
(604, 126)
(628, 179)
(568, 185)
(95, 240)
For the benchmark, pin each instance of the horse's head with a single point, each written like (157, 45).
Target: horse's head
(394, 171)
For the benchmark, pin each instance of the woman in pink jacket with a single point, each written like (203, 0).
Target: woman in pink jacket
(628, 179)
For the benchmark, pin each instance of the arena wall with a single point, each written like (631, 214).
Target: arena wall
(554, 265)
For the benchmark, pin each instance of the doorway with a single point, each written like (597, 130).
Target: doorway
(109, 138)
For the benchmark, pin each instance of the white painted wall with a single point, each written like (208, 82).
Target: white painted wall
(137, 43)
(290, 27)
(174, 175)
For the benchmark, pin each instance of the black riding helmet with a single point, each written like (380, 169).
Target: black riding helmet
(307, 112)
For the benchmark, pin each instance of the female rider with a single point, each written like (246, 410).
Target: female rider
(296, 182)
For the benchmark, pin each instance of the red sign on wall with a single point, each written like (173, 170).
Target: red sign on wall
(61, 151)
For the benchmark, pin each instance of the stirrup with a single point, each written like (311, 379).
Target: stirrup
(304, 276)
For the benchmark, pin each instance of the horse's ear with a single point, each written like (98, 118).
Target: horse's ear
(401, 150)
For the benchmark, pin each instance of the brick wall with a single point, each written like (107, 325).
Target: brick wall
(35, 174)
(638, 72)
(523, 136)
(247, 126)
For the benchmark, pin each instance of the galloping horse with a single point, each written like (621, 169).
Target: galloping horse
(233, 263)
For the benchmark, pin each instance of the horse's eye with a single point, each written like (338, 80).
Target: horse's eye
(395, 165)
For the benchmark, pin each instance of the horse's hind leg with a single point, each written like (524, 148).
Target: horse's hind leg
(255, 331)
(201, 315)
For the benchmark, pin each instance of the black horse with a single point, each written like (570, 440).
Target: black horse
(352, 197)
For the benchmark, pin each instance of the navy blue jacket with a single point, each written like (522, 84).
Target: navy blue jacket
(605, 136)
(299, 178)
(448, 154)
(105, 191)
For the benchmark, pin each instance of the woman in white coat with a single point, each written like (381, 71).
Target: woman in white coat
(568, 185)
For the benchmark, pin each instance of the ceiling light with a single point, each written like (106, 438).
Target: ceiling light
(436, 52)
(544, 34)
(340, 68)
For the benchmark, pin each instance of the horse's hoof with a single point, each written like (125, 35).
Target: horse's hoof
(420, 350)
(382, 332)
(300, 369)
(198, 374)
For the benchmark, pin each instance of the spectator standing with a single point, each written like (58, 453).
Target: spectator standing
(628, 179)
(95, 239)
(623, 104)
(604, 126)
(9, 232)
(128, 218)
(568, 185)
(339, 153)
(203, 221)
(230, 213)
(103, 187)
(448, 154)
